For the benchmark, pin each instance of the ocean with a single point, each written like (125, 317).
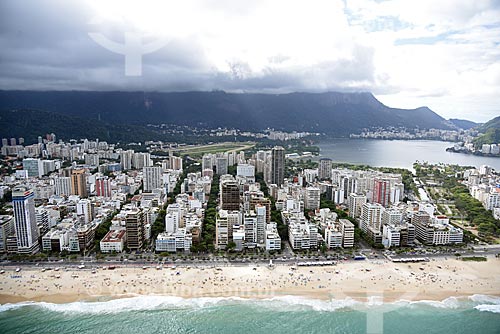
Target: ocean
(162, 314)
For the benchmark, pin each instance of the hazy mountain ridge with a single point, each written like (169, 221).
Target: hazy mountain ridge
(334, 113)
(463, 123)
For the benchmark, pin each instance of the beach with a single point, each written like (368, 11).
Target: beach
(437, 279)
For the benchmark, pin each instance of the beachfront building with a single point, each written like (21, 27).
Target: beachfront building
(86, 235)
(371, 216)
(63, 237)
(224, 223)
(250, 225)
(113, 241)
(435, 231)
(347, 230)
(23, 202)
(134, 226)
(6, 229)
(239, 237)
(55, 240)
(260, 212)
(339, 234)
(273, 240)
(398, 235)
(183, 224)
(333, 236)
(181, 240)
(302, 234)
(391, 236)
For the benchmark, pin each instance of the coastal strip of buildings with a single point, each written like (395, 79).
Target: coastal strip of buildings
(62, 193)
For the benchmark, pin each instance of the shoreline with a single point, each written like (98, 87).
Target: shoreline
(477, 154)
(371, 300)
(436, 280)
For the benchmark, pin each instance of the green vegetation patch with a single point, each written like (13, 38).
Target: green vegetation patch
(474, 258)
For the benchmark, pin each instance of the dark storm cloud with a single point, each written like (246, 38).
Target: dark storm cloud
(45, 45)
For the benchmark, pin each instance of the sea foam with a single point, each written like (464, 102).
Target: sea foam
(281, 303)
(486, 303)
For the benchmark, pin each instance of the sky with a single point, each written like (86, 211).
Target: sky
(444, 54)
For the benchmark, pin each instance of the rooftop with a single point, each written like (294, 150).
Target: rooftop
(114, 236)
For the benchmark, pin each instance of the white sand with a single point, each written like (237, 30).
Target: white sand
(385, 279)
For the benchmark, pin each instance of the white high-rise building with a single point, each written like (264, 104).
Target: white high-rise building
(250, 224)
(397, 193)
(221, 165)
(260, 211)
(92, 159)
(62, 185)
(207, 162)
(338, 195)
(152, 178)
(347, 229)
(23, 202)
(371, 215)
(273, 240)
(355, 202)
(141, 160)
(126, 159)
(392, 217)
(333, 237)
(173, 218)
(492, 200)
(48, 166)
(391, 236)
(245, 170)
(224, 227)
(42, 220)
(175, 162)
(302, 234)
(85, 208)
(312, 198)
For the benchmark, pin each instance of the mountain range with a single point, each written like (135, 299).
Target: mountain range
(120, 115)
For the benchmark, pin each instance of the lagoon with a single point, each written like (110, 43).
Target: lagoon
(398, 153)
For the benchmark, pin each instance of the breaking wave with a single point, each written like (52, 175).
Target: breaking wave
(281, 303)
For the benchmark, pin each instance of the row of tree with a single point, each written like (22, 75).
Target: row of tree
(207, 243)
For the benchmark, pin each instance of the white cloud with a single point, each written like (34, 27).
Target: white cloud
(443, 54)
